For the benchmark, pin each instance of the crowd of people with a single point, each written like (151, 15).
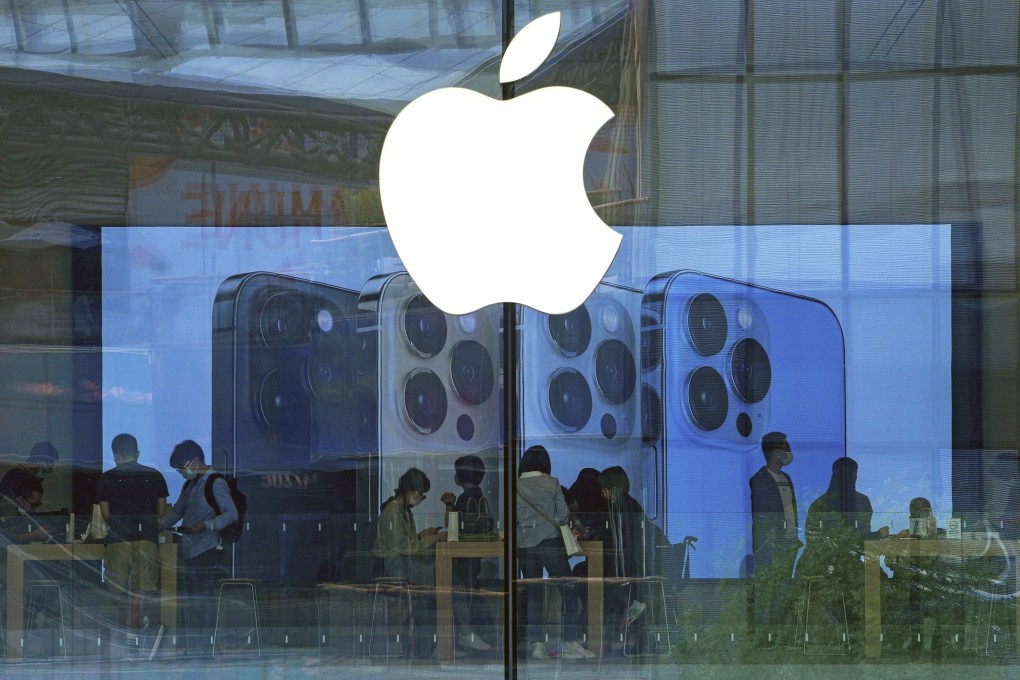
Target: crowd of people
(132, 501)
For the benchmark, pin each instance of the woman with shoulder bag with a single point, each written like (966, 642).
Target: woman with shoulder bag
(541, 511)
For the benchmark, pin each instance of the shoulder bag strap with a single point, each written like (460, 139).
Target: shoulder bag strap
(209, 497)
(542, 514)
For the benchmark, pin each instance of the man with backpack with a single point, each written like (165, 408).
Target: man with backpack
(207, 512)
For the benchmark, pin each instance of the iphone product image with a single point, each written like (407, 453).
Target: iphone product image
(286, 419)
(436, 382)
(724, 362)
(579, 391)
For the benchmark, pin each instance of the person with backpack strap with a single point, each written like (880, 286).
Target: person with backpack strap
(205, 509)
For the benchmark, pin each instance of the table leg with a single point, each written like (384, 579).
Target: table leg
(15, 605)
(595, 585)
(872, 607)
(444, 605)
(168, 592)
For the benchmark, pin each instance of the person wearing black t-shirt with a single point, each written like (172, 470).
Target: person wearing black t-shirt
(132, 498)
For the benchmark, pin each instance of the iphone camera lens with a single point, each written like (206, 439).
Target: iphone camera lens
(750, 370)
(707, 398)
(283, 407)
(472, 372)
(570, 399)
(571, 331)
(282, 320)
(425, 400)
(706, 324)
(424, 326)
(615, 373)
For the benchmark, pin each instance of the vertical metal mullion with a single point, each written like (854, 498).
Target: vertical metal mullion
(749, 112)
(843, 121)
(510, 392)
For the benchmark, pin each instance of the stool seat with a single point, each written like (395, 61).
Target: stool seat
(33, 599)
(843, 648)
(245, 617)
(390, 646)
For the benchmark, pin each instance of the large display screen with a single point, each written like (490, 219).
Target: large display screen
(291, 352)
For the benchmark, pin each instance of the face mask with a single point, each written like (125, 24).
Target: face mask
(42, 473)
(785, 458)
(188, 474)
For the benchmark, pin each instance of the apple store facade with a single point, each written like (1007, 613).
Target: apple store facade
(467, 338)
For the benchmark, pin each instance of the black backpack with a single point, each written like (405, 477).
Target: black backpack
(232, 532)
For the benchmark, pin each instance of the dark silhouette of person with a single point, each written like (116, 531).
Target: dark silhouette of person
(132, 499)
(475, 518)
(590, 514)
(838, 522)
(774, 541)
(774, 506)
(37, 465)
(204, 559)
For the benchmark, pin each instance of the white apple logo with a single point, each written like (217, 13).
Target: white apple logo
(484, 199)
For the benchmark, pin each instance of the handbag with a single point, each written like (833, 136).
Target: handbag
(477, 523)
(98, 527)
(570, 543)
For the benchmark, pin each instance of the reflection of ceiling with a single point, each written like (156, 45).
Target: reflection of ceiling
(377, 53)
(373, 54)
(302, 85)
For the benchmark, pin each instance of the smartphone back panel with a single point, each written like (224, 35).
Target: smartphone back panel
(436, 383)
(579, 388)
(723, 363)
(285, 419)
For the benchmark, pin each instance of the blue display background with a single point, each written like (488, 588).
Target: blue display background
(888, 285)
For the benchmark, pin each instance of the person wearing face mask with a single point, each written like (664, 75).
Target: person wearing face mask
(203, 559)
(37, 465)
(16, 514)
(773, 504)
(410, 554)
(774, 541)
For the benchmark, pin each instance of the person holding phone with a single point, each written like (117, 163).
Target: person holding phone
(204, 560)
(410, 554)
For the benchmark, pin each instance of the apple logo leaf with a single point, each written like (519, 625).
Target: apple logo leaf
(529, 48)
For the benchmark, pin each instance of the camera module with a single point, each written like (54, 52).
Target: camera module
(329, 367)
(425, 400)
(282, 320)
(651, 415)
(707, 399)
(472, 372)
(570, 399)
(615, 372)
(706, 324)
(571, 331)
(750, 370)
(424, 326)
